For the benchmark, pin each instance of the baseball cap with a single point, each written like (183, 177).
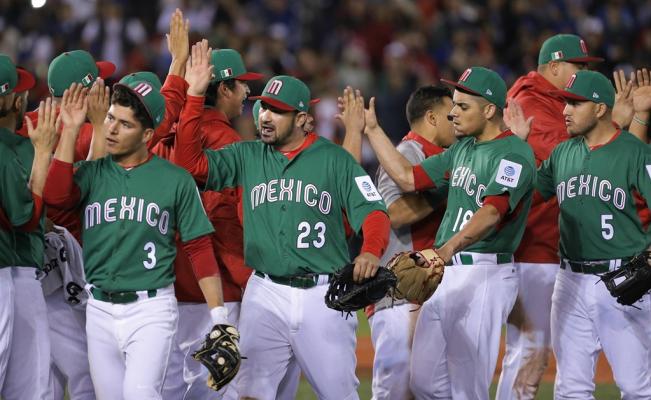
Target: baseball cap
(588, 86)
(149, 96)
(256, 113)
(286, 93)
(482, 82)
(13, 79)
(565, 47)
(228, 64)
(75, 66)
(146, 76)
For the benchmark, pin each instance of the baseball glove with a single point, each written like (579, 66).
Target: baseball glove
(631, 281)
(220, 354)
(418, 277)
(348, 296)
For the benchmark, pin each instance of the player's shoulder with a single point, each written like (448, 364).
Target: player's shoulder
(167, 169)
(326, 148)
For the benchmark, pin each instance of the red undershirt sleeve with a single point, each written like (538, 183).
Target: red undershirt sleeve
(500, 202)
(422, 181)
(202, 257)
(189, 153)
(60, 190)
(375, 229)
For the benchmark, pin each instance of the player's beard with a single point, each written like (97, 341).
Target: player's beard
(582, 130)
(280, 138)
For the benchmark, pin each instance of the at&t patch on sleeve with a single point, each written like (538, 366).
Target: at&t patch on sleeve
(508, 173)
(368, 189)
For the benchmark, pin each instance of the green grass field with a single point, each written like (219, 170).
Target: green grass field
(603, 391)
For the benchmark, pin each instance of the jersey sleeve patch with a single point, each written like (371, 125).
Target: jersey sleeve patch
(368, 189)
(508, 173)
(648, 169)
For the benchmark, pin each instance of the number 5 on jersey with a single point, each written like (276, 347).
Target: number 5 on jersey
(304, 229)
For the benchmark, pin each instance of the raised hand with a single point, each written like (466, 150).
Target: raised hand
(351, 110)
(515, 120)
(74, 106)
(98, 102)
(623, 109)
(198, 69)
(642, 95)
(44, 136)
(178, 42)
(370, 118)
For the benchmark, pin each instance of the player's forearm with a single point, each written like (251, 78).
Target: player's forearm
(353, 144)
(485, 219)
(638, 127)
(189, 153)
(409, 209)
(375, 230)
(211, 287)
(394, 163)
(38, 176)
(177, 67)
(60, 190)
(66, 148)
(97, 143)
(173, 91)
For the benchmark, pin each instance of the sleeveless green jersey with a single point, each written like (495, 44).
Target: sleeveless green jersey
(293, 220)
(29, 246)
(130, 218)
(473, 170)
(594, 190)
(15, 200)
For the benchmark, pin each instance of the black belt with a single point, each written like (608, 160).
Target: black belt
(304, 281)
(118, 297)
(590, 267)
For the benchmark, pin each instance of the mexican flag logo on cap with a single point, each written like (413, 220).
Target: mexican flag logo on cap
(226, 73)
(4, 87)
(557, 55)
(87, 80)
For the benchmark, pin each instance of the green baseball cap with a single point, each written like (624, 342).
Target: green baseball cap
(482, 82)
(588, 86)
(565, 47)
(13, 79)
(149, 96)
(75, 66)
(146, 76)
(256, 113)
(228, 64)
(286, 93)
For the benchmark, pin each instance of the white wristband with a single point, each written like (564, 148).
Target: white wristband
(219, 315)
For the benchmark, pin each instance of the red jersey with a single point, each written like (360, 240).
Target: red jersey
(532, 91)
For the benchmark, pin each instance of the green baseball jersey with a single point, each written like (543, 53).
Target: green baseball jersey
(29, 246)
(293, 220)
(473, 170)
(594, 190)
(130, 219)
(15, 200)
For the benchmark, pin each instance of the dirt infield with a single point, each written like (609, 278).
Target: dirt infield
(365, 362)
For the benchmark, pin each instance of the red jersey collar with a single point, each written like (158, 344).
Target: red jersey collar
(309, 139)
(429, 148)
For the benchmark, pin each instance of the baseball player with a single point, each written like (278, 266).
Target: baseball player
(28, 367)
(490, 173)
(593, 176)
(134, 204)
(227, 92)
(528, 342)
(413, 222)
(24, 345)
(293, 232)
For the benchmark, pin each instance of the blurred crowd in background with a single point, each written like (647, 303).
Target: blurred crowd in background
(387, 48)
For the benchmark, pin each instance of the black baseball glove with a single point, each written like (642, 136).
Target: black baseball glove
(631, 281)
(348, 296)
(220, 354)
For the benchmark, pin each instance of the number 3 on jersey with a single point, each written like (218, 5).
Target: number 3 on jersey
(462, 219)
(305, 229)
(150, 262)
